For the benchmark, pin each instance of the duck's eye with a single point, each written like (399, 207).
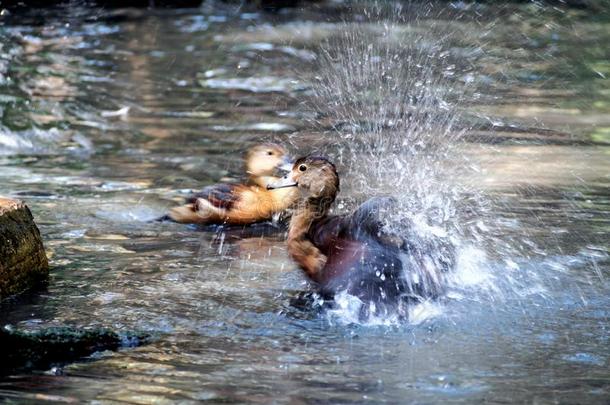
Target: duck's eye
(302, 168)
(269, 153)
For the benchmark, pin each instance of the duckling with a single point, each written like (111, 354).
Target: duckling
(242, 204)
(352, 253)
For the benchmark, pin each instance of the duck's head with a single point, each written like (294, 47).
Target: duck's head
(267, 159)
(315, 176)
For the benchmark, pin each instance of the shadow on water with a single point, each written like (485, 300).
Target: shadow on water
(109, 117)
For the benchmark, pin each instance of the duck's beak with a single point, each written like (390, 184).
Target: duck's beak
(286, 166)
(284, 182)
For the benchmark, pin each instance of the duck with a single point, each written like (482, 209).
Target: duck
(242, 203)
(354, 253)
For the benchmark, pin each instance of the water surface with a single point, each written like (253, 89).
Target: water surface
(109, 117)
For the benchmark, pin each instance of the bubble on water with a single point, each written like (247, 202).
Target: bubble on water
(424, 311)
(348, 309)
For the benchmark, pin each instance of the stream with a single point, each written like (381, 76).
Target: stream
(108, 117)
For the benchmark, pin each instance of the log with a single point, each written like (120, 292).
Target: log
(23, 262)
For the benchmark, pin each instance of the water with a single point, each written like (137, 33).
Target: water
(111, 117)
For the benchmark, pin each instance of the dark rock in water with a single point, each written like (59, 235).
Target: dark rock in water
(56, 346)
(34, 193)
(264, 4)
(273, 5)
(104, 3)
(23, 262)
(178, 181)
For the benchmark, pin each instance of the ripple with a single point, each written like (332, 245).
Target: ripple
(127, 214)
(38, 141)
(262, 126)
(265, 84)
(303, 54)
(451, 385)
(585, 358)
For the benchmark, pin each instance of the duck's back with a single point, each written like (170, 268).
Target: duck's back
(368, 263)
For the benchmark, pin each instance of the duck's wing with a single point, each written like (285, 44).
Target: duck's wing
(210, 205)
(366, 222)
(324, 233)
(223, 196)
(365, 260)
(362, 225)
(356, 261)
(424, 260)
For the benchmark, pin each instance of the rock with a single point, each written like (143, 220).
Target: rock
(24, 4)
(23, 262)
(42, 349)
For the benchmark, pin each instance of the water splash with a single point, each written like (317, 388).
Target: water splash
(390, 94)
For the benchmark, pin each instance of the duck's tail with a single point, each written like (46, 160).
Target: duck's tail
(184, 214)
(200, 212)
(163, 218)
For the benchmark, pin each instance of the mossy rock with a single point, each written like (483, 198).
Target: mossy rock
(42, 349)
(23, 262)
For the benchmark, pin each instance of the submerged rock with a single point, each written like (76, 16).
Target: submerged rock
(56, 346)
(23, 262)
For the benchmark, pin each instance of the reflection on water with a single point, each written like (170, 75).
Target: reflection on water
(108, 118)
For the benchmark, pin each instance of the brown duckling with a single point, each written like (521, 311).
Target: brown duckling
(352, 253)
(242, 204)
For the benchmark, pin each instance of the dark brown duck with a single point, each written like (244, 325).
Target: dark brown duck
(353, 253)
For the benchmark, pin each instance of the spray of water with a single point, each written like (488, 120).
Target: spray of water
(391, 94)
